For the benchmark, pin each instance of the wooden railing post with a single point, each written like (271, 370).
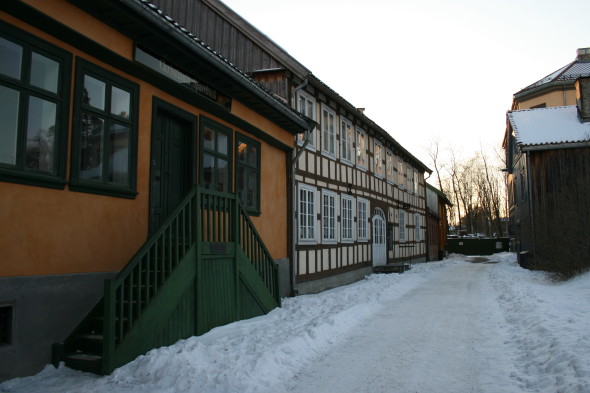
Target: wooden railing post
(108, 343)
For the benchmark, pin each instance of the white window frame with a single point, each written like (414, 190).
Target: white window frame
(308, 110)
(306, 220)
(417, 227)
(347, 143)
(347, 206)
(402, 226)
(329, 217)
(389, 158)
(378, 160)
(362, 219)
(329, 129)
(400, 173)
(416, 182)
(361, 148)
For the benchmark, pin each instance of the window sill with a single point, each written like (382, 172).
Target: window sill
(104, 190)
(32, 179)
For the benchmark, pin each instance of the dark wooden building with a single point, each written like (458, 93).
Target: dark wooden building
(437, 227)
(548, 169)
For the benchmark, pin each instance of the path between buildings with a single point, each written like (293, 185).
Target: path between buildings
(446, 335)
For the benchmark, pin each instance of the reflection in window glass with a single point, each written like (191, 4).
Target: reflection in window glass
(208, 139)
(8, 124)
(44, 72)
(222, 143)
(119, 154)
(94, 92)
(120, 102)
(208, 165)
(11, 55)
(40, 134)
(91, 147)
(222, 176)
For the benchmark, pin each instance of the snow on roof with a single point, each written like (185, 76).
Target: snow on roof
(554, 125)
(570, 72)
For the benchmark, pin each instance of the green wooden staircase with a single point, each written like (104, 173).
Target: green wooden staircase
(205, 267)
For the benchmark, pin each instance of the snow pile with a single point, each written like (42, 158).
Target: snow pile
(549, 326)
(245, 356)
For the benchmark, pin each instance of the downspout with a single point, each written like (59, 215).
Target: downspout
(529, 192)
(294, 189)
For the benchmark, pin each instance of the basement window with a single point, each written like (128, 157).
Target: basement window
(6, 313)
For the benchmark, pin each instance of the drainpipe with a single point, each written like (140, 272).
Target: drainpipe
(530, 196)
(294, 188)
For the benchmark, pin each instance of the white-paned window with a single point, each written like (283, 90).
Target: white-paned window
(416, 182)
(362, 217)
(307, 214)
(417, 228)
(329, 209)
(389, 165)
(347, 139)
(347, 218)
(306, 106)
(361, 148)
(328, 132)
(407, 180)
(379, 170)
(400, 173)
(402, 226)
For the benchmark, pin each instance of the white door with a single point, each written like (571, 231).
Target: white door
(379, 247)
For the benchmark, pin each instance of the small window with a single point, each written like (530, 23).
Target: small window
(400, 173)
(378, 156)
(417, 227)
(402, 226)
(329, 212)
(361, 148)
(248, 173)
(306, 106)
(347, 218)
(34, 92)
(104, 146)
(389, 166)
(362, 217)
(347, 141)
(415, 180)
(328, 132)
(6, 316)
(307, 214)
(216, 163)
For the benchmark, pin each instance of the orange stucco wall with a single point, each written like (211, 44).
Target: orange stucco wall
(47, 231)
(555, 98)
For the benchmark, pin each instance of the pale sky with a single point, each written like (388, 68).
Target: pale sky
(427, 68)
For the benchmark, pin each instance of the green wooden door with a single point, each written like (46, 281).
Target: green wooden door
(171, 165)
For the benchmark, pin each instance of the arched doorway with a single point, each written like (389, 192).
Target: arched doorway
(379, 247)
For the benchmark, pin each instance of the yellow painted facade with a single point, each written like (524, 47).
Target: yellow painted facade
(48, 231)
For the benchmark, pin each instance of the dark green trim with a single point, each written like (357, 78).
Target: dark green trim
(19, 173)
(103, 187)
(256, 210)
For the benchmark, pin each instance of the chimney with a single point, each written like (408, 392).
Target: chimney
(583, 55)
(583, 98)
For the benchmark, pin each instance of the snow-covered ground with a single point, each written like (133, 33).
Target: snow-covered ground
(440, 327)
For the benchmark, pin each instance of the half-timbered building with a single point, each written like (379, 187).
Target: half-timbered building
(143, 183)
(359, 197)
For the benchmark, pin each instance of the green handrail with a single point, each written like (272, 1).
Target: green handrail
(130, 292)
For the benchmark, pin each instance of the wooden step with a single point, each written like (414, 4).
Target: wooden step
(392, 268)
(84, 362)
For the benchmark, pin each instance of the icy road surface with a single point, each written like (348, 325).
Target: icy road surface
(442, 327)
(445, 335)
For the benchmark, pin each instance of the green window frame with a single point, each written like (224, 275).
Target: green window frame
(34, 92)
(248, 173)
(104, 138)
(216, 164)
